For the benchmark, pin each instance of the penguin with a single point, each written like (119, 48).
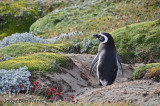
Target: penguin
(107, 59)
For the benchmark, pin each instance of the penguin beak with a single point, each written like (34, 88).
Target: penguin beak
(96, 35)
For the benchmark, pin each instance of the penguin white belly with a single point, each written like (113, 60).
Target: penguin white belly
(97, 68)
(99, 59)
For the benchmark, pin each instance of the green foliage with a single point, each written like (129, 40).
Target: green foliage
(39, 62)
(134, 43)
(147, 71)
(24, 48)
(103, 16)
(138, 42)
(93, 50)
(86, 46)
(17, 16)
(50, 5)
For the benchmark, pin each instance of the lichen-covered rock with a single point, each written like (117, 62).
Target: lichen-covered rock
(39, 62)
(148, 71)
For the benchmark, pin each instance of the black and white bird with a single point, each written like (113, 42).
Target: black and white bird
(108, 62)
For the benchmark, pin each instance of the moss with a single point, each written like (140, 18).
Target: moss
(148, 70)
(138, 42)
(39, 62)
(17, 16)
(24, 48)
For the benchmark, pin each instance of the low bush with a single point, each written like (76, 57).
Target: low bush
(148, 71)
(138, 42)
(17, 16)
(39, 62)
(25, 48)
(11, 79)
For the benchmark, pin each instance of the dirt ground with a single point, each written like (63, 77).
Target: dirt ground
(85, 87)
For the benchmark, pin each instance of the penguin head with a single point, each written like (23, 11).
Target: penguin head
(105, 38)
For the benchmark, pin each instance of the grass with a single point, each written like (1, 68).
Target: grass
(25, 48)
(138, 42)
(70, 104)
(147, 71)
(135, 43)
(103, 16)
(39, 62)
(17, 16)
(41, 102)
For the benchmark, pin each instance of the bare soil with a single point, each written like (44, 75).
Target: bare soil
(85, 87)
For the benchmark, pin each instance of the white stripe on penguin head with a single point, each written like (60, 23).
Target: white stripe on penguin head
(105, 38)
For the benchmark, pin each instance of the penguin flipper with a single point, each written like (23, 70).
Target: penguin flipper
(120, 63)
(93, 63)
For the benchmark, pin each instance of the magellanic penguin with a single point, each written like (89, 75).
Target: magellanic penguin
(107, 58)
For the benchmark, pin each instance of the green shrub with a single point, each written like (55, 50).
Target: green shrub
(39, 62)
(24, 48)
(138, 42)
(17, 16)
(93, 50)
(104, 16)
(147, 71)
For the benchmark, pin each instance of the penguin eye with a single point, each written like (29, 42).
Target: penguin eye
(101, 38)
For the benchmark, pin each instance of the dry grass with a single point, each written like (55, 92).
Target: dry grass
(30, 100)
